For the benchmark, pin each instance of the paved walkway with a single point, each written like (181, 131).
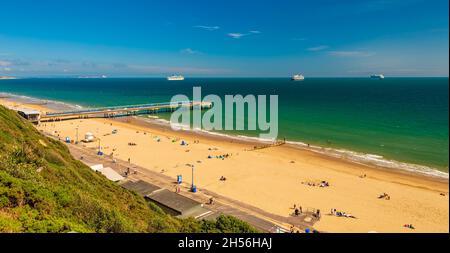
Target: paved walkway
(258, 218)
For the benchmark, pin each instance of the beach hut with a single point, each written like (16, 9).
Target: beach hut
(31, 115)
(141, 187)
(89, 137)
(107, 172)
(178, 205)
(111, 174)
(97, 167)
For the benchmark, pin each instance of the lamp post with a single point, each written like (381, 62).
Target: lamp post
(193, 188)
(76, 142)
(99, 147)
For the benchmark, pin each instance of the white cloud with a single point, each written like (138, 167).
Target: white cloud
(13, 62)
(189, 51)
(208, 28)
(5, 63)
(236, 35)
(318, 48)
(351, 53)
(240, 35)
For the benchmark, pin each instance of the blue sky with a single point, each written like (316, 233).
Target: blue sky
(224, 38)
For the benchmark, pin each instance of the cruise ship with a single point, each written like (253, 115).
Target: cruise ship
(175, 78)
(377, 76)
(298, 78)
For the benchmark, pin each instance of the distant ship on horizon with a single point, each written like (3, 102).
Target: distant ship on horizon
(298, 77)
(175, 78)
(379, 76)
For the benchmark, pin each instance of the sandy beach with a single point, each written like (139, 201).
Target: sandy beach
(273, 179)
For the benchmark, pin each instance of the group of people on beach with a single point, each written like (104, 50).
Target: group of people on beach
(293, 229)
(223, 157)
(129, 172)
(410, 226)
(341, 214)
(321, 184)
(385, 196)
(297, 210)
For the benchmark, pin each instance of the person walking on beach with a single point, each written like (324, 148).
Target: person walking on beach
(318, 214)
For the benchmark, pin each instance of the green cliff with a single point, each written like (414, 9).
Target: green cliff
(44, 189)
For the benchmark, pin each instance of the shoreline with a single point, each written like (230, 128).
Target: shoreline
(139, 124)
(374, 161)
(364, 159)
(272, 179)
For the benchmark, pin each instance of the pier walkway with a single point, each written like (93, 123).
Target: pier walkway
(118, 111)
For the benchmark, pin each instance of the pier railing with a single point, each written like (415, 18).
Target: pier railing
(126, 108)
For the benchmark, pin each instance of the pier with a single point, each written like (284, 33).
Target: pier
(121, 111)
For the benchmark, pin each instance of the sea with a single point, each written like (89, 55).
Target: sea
(398, 123)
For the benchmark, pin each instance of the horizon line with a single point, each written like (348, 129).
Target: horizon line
(158, 77)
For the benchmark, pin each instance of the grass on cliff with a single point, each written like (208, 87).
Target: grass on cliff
(44, 189)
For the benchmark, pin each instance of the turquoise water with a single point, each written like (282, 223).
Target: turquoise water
(402, 119)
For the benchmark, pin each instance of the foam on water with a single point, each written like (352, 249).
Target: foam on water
(361, 158)
(375, 160)
(51, 104)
